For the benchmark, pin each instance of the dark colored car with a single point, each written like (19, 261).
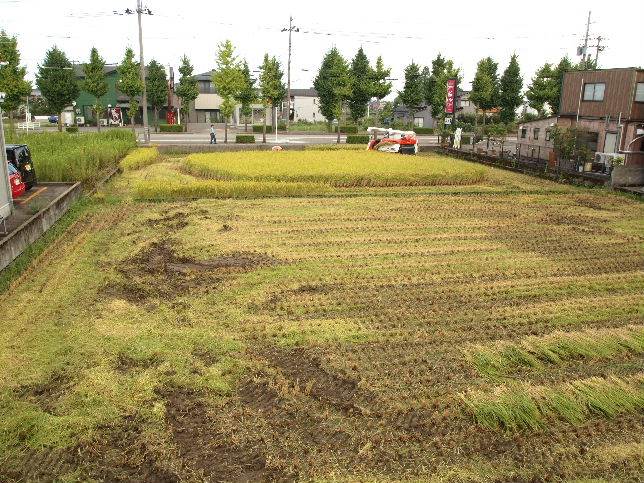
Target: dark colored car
(53, 119)
(20, 157)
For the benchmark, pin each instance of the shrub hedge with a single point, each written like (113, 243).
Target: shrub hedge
(259, 128)
(466, 139)
(245, 139)
(71, 129)
(347, 129)
(423, 130)
(358, 139)
(171, 128)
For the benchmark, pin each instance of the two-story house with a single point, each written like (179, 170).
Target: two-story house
(610, 104)
(607, 104)
(115, 98)
(305, 106)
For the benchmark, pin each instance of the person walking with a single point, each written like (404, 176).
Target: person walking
(213, 134)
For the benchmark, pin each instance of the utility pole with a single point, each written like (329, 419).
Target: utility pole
(290, 30)
(140, 10)
(585, 49)
(600, 48)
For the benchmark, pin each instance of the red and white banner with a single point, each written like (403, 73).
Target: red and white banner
(450, 98)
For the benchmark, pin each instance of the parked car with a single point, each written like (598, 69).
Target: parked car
(17, 186)
(53, 119)
(20, 157)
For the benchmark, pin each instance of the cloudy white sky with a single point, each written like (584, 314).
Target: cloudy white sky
(465, 31)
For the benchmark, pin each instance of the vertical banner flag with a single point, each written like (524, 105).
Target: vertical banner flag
(450, 98)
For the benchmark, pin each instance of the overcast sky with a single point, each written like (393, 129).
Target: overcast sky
(539, 31)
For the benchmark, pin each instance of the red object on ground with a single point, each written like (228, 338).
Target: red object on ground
(15, 180)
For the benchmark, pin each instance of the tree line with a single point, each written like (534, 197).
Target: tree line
(345, 87)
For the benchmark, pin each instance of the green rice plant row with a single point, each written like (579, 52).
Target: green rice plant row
(73, 157)
(556, 348)
(334, 168)
(521, 406)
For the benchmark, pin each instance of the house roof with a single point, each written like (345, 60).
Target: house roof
(206, 76)
(310, 92)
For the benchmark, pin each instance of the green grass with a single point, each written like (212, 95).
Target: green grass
(556, 348)
(522, 406)
(33, 251)
(76, 157)
(338, 169)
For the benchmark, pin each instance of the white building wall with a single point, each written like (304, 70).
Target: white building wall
(307, 109)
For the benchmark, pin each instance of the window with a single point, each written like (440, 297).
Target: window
(536, 132)
(547, 134)
(524, 132)
(419, 122)
(639, 92)
(594, 92)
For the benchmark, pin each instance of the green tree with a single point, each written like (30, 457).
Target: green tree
(543, 89)
(157, 89)
(228, 79)
(430, 84)
(57, 82)
(247, 95)
(564, 65)
(381, 87)
(412, 95)
(12, 76)
(95, 83)
(333, 84)
(362, 88)
(485, 87)
(386, 113)
(271, 88)
(129, 83)
(187, 90)
(510, 94)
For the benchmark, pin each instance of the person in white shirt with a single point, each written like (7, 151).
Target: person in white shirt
(213, 134)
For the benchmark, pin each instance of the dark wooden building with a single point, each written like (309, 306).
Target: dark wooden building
(610, 103)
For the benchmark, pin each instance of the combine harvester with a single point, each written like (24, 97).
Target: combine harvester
(392, 141)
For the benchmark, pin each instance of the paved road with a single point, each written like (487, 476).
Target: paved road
(282, 138)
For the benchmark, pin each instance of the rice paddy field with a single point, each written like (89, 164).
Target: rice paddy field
(329, 316)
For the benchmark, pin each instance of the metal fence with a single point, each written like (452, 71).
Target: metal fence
(535, 158)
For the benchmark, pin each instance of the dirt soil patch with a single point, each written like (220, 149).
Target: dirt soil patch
(203, 445)
(157, 271)
(118, 453)
(46, 395)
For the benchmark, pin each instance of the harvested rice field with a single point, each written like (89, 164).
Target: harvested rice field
(208, 319)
